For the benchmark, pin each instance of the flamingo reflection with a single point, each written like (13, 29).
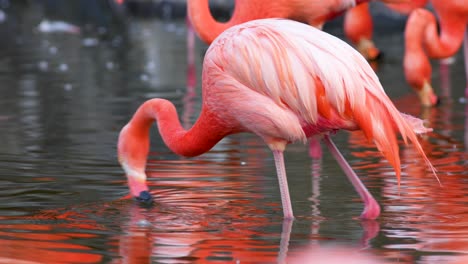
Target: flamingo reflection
(51, 237)
(435, 218)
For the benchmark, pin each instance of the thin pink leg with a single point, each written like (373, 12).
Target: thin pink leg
(283, 184)
(315, 150)
(465, 50)
(371, 229)
(284, 243)
(445, 80)
(371, 207)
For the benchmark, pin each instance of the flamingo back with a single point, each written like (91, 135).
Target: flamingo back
(318, 77)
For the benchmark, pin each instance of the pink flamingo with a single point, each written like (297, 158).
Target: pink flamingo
(283, 81)
(422, 41)
(358, 25)
(358, 28)
(313, 12)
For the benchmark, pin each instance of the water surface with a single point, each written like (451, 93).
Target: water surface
(64, 98)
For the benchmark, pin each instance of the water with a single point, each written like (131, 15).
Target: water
(64, 98)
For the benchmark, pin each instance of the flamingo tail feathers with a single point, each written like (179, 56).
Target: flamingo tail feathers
(384, 131)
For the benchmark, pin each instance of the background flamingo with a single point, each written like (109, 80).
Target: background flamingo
(315, 13)
(422, 41)
(285, 82)
(358, 25)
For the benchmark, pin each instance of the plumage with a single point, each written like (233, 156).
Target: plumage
(285, 82)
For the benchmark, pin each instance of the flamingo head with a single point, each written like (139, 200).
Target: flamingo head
(427, 96)
(132, 154)
(368, 49)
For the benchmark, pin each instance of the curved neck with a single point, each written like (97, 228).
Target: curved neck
(452, 29)
(416, 26)
(203, 22)
(406, 7)
(204, 134)
(416, 63)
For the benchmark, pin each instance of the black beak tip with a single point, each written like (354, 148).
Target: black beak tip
(144, 198)
(380, 56)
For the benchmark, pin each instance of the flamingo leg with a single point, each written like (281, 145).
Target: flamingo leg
(283, 184)
(284, 243)
(315, 150)
(371, 207)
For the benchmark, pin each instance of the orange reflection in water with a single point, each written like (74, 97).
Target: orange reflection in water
(40, 242)
(208, 209)
(420, 214)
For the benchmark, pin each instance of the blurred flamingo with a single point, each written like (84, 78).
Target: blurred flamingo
(315, 13)
(358, 28)
(283, 81)
(422, 41)
(358, 25)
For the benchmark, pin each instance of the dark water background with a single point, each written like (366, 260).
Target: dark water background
(64, 98)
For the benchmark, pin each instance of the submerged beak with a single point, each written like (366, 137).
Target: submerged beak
(138, 189)
(144, 197)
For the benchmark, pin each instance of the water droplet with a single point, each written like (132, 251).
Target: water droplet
(63, 67)
(53, 50)
(143, 223)
(462, 100)
(144, 77)
(90, 42)
(150, 66)
(110, 65)
(3, 16)
(43, 65)
(67, 87)
(243, 163)
(146, 33)
(171, 27)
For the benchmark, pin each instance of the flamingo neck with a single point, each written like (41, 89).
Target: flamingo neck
(406, 7)
(204, 134)
(204, 23)
(134, 143)
(338, 10)
(416, 62)
(452, 29)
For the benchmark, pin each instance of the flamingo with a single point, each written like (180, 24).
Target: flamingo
(313, 12)
(358, 28)
(422, 41)
(358, 25)
(285, 82)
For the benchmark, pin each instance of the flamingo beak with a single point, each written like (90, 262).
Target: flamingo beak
(427, 96)
(144, 197)
(139, 190)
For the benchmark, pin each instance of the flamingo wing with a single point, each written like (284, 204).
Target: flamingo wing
(317, 77)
